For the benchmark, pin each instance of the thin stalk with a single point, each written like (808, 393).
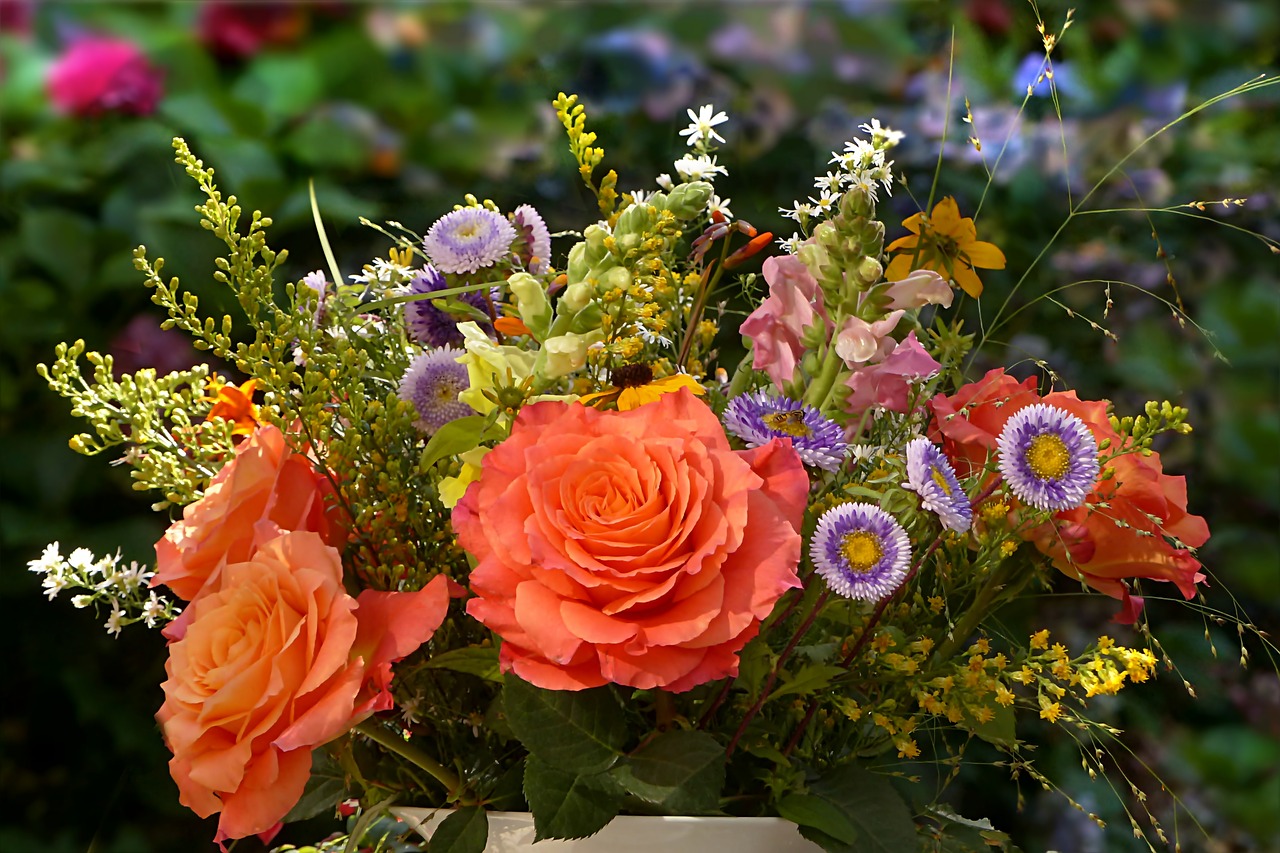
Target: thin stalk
(412, 754)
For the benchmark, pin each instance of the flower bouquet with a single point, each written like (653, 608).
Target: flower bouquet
(503, 521)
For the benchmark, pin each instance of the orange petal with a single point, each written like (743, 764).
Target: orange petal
(985, 255)
(912, 222)
(945, 216)
(512, 326)
(967, 279)
(908, 242)
(899, 268)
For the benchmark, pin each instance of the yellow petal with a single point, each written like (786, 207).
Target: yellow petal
(635, 397)
(967, 279)
(908, 242)
(899, 268)
(985, 255)
(945, 216)
(912, 222)
(673, 383)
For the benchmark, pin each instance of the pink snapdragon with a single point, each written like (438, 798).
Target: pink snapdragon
(887, 383)
(920, 288)
(777, 325)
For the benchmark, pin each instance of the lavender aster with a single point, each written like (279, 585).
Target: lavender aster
(317, 282)
(532, 230)
(860, 550)
(432, 383)
(1048, 457)
(466, 240)
(931, 476)
(431, 325)
(758, 418)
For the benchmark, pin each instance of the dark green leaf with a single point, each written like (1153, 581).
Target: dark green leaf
(998, 730)
(574, 731)
(565, 805)
(61, 242)
(680, 771)
(883, 821)
(465, 830)
(808, 680)
(457, 436)
(473, 660)
(325, 789)
(823, 815)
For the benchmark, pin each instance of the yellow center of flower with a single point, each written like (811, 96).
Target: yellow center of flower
(862, 550)
(788, 423)
(941, 481)
(1047, 456)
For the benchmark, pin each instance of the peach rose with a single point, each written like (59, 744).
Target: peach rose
(266, 481)
(1088, 543)
(629, 547)
(274, 661)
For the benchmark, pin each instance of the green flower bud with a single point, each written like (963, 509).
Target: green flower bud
(688, 200)
(869, 270)
(531, 301)
(618, 277)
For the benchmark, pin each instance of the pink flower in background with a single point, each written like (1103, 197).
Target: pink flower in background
(98, 74)
(235, 30)
(775, 328)
(887, 383)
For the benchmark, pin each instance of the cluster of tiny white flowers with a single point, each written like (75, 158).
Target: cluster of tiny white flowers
(861, 166)
(382, 271)
(107, 581)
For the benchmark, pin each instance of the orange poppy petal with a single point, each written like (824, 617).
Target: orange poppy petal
(985, 255)
(967, 279)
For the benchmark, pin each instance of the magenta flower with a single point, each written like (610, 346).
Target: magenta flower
(775, 328)
(99, 74)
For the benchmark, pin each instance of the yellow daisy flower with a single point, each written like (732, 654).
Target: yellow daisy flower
(945, 243)
(634, 385)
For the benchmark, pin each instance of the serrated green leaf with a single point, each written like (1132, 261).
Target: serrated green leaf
(883, 821)
(465, 830)
(457, 436)
(325, 788)
(573, 731)
(809, 679)
(823, 815)
(473, 660)
(565, 805)
(682, 772)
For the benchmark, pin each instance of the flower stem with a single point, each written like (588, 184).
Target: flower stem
(412, 754)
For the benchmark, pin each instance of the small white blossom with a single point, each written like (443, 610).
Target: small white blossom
(152, 610)
(640, 196)
(115, 621)
(715, 203)
(703, 125)
(826, 201)
(884, 175)
(80, 602)
(664, 181)
(54, 582)
(791, 244)
(833, 181)
(881, 137)
(48, 561)
(699, 168)
(863, 182)
(382, 271)
(81, 560)
(798, 211)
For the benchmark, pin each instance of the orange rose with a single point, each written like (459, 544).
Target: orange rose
(968, 422)
(276, 660)
(1103, 545)
(629, 547)
(265, 482)
(1088, 543)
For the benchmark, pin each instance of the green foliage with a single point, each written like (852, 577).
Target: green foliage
(577, 732)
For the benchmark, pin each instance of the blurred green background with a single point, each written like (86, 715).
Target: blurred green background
(397, 110)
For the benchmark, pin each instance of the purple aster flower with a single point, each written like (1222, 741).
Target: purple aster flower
(532, 231)
(432, 383)
(860, 550)
(1048, 457)
(931, 476)
(758, 418)
(429, 324)
(466, 240)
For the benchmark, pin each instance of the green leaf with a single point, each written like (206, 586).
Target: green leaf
(473, 660)
(808, 680)
(61, 242)
(573, 731)
(457, 436)
(285, 86)
(465, 830)
(565, 805)
(999, 730)
(823, 815)
(754, 663)
(882, 819)
(325, 788)
(680, 771)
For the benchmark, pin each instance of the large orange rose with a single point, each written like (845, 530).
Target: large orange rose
(1114, 535)
(629, 547)
(266, 481)
(274, 660)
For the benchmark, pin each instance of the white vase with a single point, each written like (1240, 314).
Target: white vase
(512, 832)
